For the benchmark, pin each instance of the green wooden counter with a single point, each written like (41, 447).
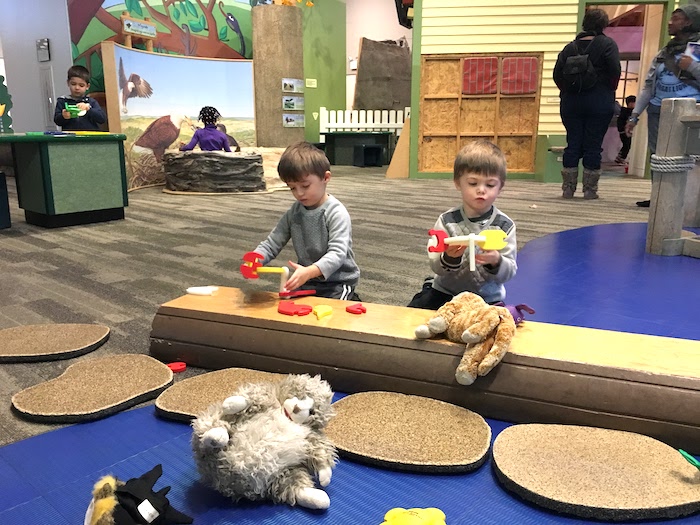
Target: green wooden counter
(63, 180)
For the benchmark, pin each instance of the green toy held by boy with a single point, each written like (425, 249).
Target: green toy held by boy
(78, 112)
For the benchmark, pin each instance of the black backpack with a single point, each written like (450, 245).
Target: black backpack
(578, 71)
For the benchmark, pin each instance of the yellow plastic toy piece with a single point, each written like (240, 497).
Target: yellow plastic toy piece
(495, 240)
(322, 310)
(429, 516)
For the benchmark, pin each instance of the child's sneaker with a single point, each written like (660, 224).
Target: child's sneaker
(620, 160)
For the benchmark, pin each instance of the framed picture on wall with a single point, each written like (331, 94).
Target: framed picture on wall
(292, 102)
(292, 85)
(292, 120)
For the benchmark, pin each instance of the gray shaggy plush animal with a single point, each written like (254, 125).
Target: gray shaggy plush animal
(267, 442)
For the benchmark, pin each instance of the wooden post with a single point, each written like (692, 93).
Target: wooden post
(691, 206)
(666, 210)
(149, 41)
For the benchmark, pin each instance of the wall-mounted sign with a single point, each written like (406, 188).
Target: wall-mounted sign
(292, 120)
(292, 85)
(43, 53)
(138, 27)
(292, 102)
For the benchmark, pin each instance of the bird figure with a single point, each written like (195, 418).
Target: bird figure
(235, 27)
(161, 133)
(188, 41)
(134, 86)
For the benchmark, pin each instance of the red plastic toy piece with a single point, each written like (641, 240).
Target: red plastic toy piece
(296, 293)
(357, 308)
(177, 366)
(289, 308)
(249, 268)
(440, 237)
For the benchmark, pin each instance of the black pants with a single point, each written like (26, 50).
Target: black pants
(333, 291)
(586, 117)
(429, 298)
(626, 144)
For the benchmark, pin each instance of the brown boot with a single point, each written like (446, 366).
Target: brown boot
(570, 178)
(590, 183)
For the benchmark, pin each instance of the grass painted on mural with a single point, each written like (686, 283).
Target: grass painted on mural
(142, 165)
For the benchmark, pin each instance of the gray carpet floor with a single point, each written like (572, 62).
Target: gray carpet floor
(118, 273)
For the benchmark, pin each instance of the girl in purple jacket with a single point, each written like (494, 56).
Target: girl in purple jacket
(209, 138)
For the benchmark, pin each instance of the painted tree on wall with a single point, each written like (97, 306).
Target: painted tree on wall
(5, 106)
(203, 28)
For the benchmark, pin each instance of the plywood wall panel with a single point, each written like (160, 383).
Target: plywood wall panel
(478, 115)
(517, 115)
(438, 154)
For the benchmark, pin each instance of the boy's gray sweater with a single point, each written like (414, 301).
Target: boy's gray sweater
(321, 236)
(453, 276)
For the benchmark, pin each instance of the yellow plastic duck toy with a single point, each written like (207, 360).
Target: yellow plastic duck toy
(429, 516)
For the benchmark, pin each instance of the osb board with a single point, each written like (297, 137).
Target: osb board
(409, 433)
(441, 77)
(478, 115)
(596, 473)
(518, 152)
(439, 116)
(466, 139)
(518, 115)
(437, 153)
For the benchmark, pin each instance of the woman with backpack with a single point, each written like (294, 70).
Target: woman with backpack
(587, 73)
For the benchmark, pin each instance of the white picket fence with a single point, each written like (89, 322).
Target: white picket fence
(362, 120)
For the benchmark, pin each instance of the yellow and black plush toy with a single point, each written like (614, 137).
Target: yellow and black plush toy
(133, 502)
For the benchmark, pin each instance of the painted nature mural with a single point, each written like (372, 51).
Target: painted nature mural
(199, 28)
(159, 117)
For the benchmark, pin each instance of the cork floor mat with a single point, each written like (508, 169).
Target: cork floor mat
(187, 398)
(409, 433)
(49, 342)
(596, 473)
(94, 388)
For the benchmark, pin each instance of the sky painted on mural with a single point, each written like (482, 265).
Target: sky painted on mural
(184, 85)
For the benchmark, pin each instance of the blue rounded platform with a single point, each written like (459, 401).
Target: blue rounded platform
(601, 277)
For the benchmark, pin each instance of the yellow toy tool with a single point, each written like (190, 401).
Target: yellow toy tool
(487, 240)
(429, 516)
(251, 267)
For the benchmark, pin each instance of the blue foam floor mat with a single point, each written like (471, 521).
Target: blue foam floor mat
(597, 277)
(600, 277)
(48, 479)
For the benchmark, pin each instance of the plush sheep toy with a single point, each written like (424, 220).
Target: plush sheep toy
(267, 441)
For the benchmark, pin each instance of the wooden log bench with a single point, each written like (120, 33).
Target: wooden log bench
(553, 374)
(213, 172)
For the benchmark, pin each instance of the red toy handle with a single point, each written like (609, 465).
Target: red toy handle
(249, 268)
(440, 237)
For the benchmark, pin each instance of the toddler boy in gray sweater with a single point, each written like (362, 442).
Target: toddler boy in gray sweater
(318, 225)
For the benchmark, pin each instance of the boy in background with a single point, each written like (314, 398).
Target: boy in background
(622, 118)
(318, 225)
(91, 114)
(479, 176)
